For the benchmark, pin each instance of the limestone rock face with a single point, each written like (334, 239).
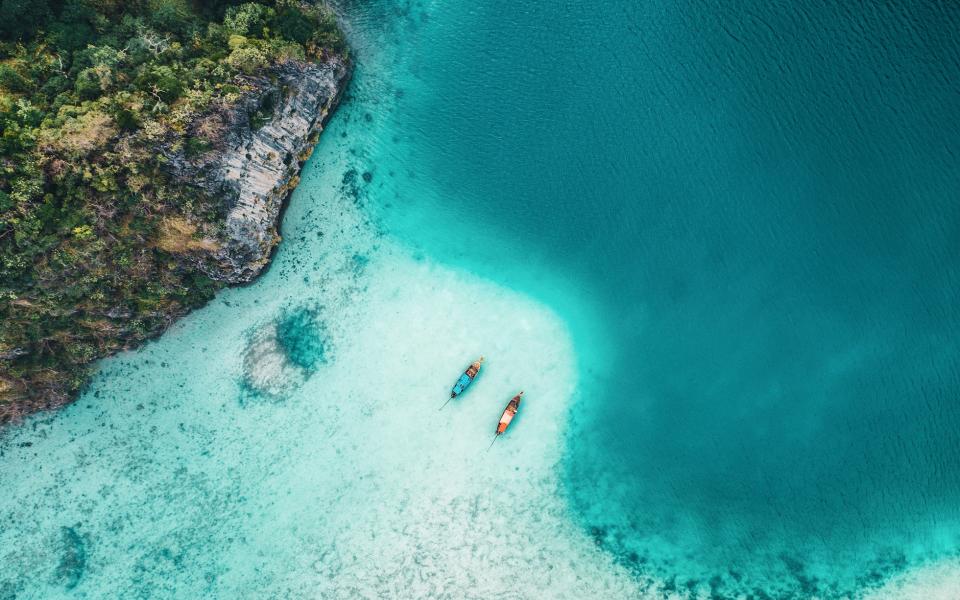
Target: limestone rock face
(268, 135)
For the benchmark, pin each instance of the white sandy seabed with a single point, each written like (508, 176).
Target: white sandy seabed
(208, 465)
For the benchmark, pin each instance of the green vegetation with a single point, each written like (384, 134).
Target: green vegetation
(99, 249)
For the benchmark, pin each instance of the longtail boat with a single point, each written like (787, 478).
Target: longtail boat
(508, 413)
(465, 380)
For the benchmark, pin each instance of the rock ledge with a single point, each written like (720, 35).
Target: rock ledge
(255, 164)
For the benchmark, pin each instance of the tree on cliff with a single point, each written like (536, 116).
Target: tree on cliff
(98, 249)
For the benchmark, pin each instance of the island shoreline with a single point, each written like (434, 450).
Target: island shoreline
(216, 180)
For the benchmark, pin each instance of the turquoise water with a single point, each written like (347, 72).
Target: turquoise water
(717, 246)
(761, 202)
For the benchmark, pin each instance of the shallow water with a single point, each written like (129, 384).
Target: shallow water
(285, 441)
(716, 246)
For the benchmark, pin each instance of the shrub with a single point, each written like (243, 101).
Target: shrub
(94, 230)
(247, 59)
(248, 18)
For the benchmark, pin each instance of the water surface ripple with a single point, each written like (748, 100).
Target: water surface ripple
(760, 201)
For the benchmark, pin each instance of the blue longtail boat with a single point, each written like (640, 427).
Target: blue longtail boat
(465, 380)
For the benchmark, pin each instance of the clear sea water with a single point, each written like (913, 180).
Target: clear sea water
(718, 244)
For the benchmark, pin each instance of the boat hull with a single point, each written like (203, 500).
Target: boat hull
(461, 385)
(509, 413)
(467, 378)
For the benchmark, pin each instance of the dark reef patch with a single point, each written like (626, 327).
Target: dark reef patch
(283, 353)
(302, 337)
(73, 557)
(8, 590)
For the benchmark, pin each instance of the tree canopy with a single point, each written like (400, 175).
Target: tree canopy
(92, 233)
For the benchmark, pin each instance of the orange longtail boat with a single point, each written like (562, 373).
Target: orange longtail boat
(508, 413)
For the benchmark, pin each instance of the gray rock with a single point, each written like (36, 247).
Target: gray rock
(119, 312)
(253, 166)
(12, 353)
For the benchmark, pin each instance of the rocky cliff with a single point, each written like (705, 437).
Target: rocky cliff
(254, 143)
(145, 172)
(254, 166)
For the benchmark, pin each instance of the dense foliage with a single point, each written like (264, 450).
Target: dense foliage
(95, 239)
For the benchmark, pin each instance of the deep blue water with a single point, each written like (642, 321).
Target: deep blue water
(761, 203)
